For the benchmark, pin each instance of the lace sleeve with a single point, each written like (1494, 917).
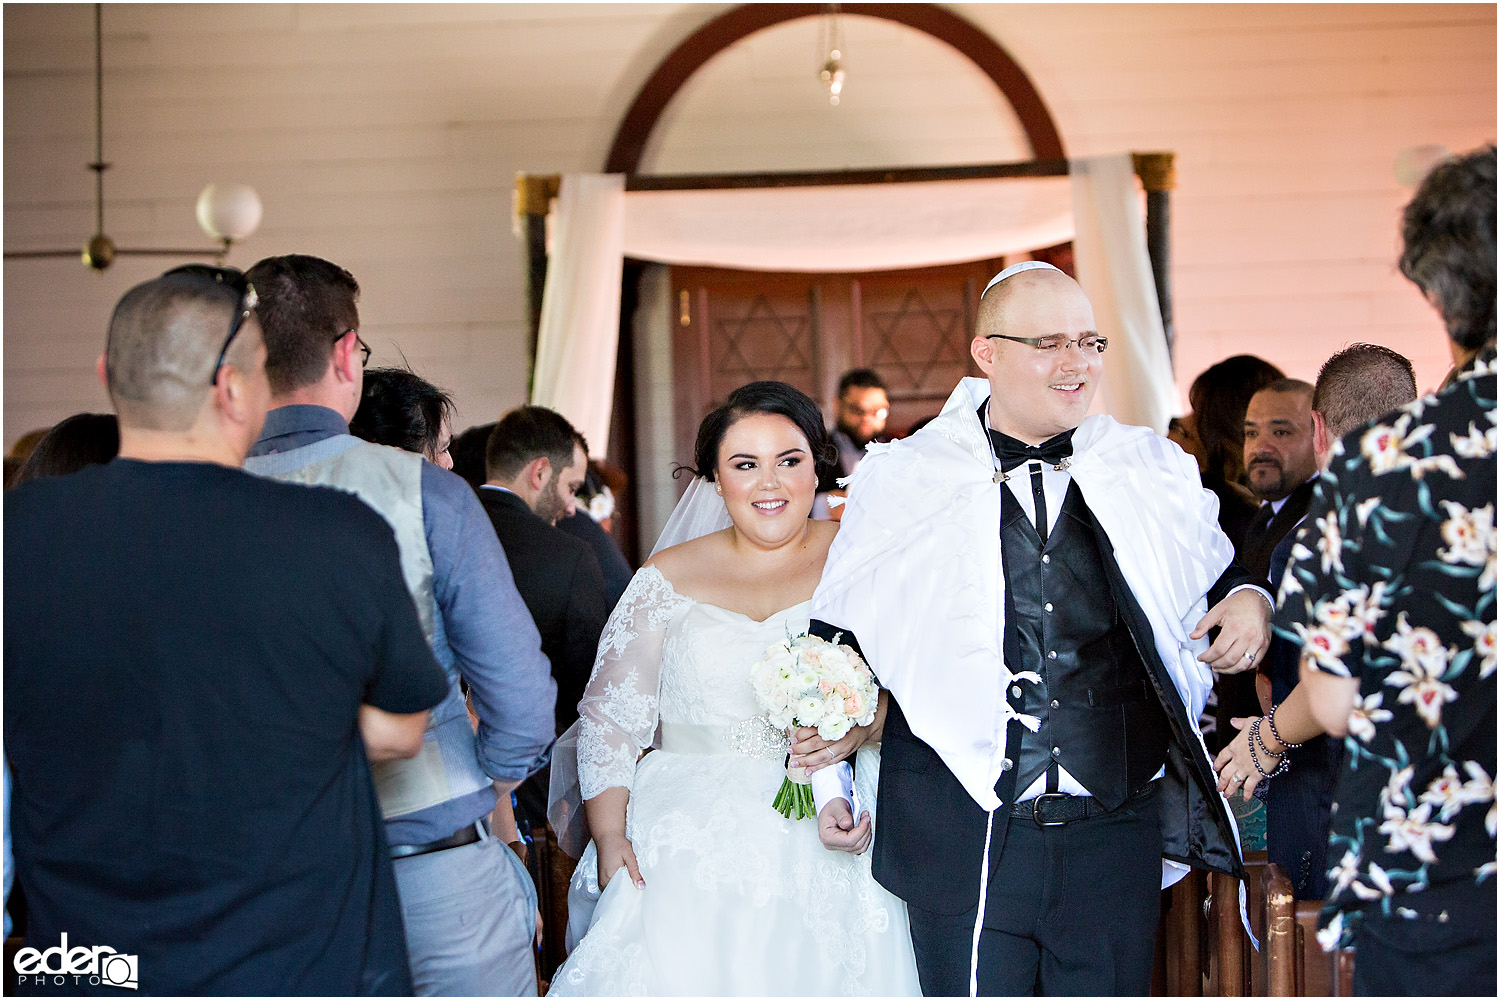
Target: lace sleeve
(617, 716)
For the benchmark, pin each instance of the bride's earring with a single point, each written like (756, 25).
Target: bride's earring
(719, 488)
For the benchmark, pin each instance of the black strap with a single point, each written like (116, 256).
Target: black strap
(1039, 495)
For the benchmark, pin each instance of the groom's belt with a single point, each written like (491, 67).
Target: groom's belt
(1055, 808)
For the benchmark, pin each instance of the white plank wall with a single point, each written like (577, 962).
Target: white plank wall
(387, 138)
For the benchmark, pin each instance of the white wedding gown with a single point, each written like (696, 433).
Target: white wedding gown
(738, 900)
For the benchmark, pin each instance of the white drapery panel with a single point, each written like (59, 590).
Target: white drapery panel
(595, 223)
(1114, 268)
(857, 227)
(580, 328)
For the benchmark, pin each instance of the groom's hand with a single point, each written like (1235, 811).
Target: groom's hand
(838, 831)
(1244, 622)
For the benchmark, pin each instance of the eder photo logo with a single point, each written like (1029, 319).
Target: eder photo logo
(99, 965)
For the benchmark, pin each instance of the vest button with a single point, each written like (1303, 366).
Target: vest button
(1046, 559)
(1055, 703)
(1015, 690)
(1047, 607)
(1051, 654)
(1057, 751)
(1007, 764)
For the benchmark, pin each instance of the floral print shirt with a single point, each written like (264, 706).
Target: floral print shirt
(1392, 582)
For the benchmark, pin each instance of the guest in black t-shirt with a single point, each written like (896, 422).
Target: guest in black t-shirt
(199, 667)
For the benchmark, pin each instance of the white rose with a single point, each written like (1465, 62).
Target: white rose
(835, 730)
(809, 711)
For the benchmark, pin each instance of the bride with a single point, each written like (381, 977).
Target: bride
(702, 887)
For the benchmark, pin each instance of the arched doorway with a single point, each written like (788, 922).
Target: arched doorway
(730, 327)
(719, 34)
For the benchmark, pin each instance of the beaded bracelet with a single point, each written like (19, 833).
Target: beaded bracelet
(1257, 740)
(1282, 763)
(1288, 744)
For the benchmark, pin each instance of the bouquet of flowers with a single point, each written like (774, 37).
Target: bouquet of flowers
(807, 681)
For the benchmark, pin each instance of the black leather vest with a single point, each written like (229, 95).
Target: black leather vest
(1100, 718)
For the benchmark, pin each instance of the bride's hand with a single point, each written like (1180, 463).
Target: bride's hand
(615, 852)
(813, 753)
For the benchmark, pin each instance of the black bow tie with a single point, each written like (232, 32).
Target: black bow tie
(1013, 453)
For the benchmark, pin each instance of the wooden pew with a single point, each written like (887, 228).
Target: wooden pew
(1290, 961)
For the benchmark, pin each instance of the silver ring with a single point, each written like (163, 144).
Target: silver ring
(829, 751)
(1250, 655)
(1238, 778)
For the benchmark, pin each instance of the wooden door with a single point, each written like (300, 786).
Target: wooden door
(912, 327)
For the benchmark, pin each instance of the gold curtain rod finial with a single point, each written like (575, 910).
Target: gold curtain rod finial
(1157, 171)
(535, 191)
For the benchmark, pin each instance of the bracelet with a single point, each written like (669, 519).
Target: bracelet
(1256, 738)
(1282, 764)
(1271, 718)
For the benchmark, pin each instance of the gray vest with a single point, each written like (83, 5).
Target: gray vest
(390, 481)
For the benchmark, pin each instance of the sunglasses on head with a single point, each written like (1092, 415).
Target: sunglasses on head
(234, 279)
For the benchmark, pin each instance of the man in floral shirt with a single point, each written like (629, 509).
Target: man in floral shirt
(1390, 591)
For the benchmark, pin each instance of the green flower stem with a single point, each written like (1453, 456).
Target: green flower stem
(794, 801)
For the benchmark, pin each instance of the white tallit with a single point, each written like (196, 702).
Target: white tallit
(915, 571)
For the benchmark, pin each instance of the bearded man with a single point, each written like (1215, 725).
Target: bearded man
(1035, 589)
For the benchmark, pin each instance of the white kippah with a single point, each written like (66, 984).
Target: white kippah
(1014, 269)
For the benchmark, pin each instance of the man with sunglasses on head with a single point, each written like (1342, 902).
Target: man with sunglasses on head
(1035, 588)
(468, 904)
(191, 705)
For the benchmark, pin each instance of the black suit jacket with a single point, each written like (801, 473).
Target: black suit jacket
(1237, 697)
(617, 571)
(1255, 553)
(560, 581)
(930, 836)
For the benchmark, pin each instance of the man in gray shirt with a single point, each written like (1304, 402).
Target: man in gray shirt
(468, 904)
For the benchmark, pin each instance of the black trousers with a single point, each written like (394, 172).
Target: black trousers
(1072, 911)
(1299, 805)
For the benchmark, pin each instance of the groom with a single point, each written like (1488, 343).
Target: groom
(1035, 589)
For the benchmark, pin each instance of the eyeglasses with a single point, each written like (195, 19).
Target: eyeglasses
(232, 278)
(364, 348)
(878, 412)
(1052, 345)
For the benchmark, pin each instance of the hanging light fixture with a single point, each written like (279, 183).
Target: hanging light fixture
(831, 51)
(226, 212)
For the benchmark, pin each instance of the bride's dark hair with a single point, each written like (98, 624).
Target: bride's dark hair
(762, 397)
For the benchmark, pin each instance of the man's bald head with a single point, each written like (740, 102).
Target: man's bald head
(1000, 301)
(164, 339)
(1043, 386)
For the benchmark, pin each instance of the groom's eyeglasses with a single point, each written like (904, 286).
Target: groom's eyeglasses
(1052, 345)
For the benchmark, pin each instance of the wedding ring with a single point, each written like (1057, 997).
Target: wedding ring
(1250, 655)
(830, 752)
